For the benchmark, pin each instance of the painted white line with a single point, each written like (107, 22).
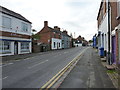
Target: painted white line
(7, 64)
(5, 77)
(26, 59)
(37, 64)
(65, 52)
(17, 60)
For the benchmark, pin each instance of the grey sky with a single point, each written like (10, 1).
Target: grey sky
(77, 16)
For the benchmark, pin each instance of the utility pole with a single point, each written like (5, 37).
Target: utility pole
(109, 56)
(74, 34)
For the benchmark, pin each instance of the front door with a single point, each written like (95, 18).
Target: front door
(119, 48)
(113, 50)
(16, 47)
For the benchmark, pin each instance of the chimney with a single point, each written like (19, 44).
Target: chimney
(45, 23)
(65, 32)
(56, 28)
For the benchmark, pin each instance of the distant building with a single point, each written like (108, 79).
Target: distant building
(80, 41)
(66, 40)
(51, 37)
(15, 33)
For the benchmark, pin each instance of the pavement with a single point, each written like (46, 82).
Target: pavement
(88, 73)
(34, 71)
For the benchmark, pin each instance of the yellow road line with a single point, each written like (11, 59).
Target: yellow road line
(51, 82)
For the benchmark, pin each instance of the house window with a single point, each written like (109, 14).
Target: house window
(24, 46)
(118, 8)
(1, 46)
(6, 22)
(54, 45)
(59, 36)
(24, 27)
(59, 44)
(5, 46)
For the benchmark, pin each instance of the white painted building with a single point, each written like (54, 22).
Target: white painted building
(56, 43)
(103, 32)
(15, 37)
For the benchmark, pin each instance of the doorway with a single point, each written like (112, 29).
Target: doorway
(16, 47)
(113, 50)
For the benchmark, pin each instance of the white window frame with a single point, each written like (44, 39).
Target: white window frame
(25, 46)
(54, 43)
(4, 25)
(5, 47)
(24, 27)
(118, 9)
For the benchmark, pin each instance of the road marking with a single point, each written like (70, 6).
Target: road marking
(37, 64)
(17, 60)
(5, 77)
(61, 72)
(6, 64)
(65, 52)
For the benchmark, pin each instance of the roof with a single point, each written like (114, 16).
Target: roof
(100, 9)
(66, 34)
(12, 13)
(53, 30)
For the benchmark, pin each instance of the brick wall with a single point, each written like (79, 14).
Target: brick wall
(47, 33)
(101, 13)
(114, 21)
(44, 37)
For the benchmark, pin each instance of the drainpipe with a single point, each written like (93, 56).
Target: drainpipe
(109, 56)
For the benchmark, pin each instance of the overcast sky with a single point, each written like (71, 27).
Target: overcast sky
(77, 16)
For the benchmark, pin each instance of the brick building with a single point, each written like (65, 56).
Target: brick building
(108, 21)
(15, 33)
(80, 41)
(50, 36)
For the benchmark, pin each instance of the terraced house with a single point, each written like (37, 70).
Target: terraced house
(50, 37)
(66, 40)
(15, 33)
(108, 29)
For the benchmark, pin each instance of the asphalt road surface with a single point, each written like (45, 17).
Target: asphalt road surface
(88, 73)
(35, 71)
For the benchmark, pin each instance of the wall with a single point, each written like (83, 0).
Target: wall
(104, 29)
(15, 33)
(14, 24)
(66, 41)
(56, 45)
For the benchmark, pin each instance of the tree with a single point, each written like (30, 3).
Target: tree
(90, 41)
(35, 36)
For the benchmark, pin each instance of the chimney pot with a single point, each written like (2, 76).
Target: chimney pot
(45, 23)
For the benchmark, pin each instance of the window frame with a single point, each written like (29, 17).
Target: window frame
(24, 27)
(54, 44)
(4, 25)
(118, 8)
(5, 47)
(25, 47)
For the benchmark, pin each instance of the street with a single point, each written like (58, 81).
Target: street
(35, 71)
(88, 73)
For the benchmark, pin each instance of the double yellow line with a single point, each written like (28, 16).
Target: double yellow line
(53, 80)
